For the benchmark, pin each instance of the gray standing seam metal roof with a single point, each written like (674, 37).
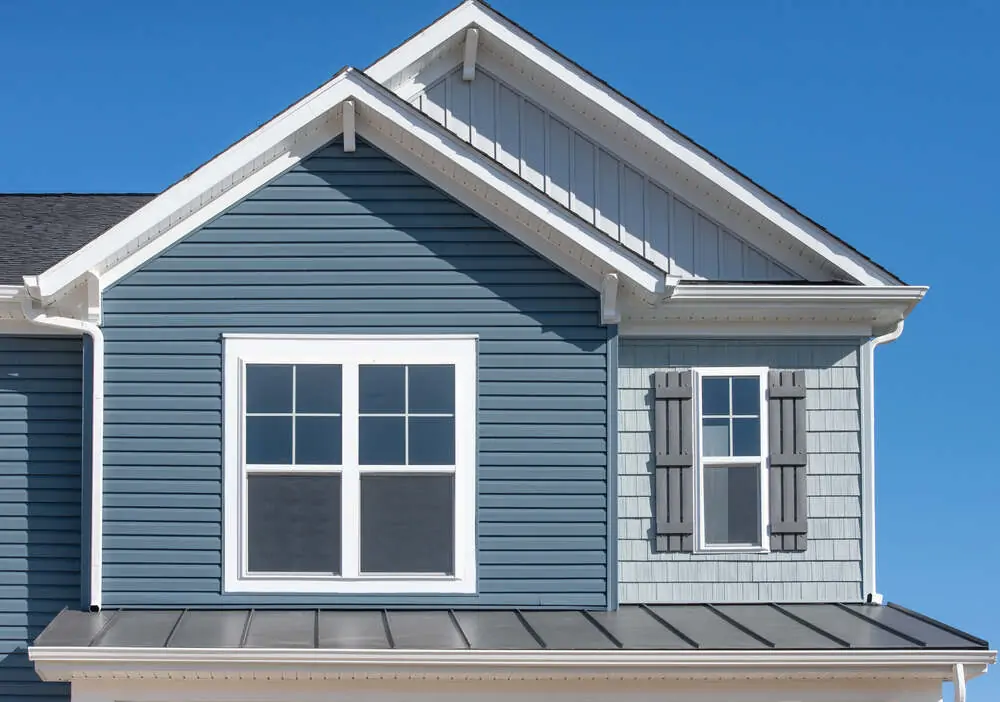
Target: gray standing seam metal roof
(632, 627)
(39, 230)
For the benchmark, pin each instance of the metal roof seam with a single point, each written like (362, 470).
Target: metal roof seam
(388, 632)
(104, 629)
(246, 628)
(670, 627)
(885, 627)
(601, 628)
(742, 627)
(809, 625)
(166, 643)
(939, 624)
(530, 629)
(458, 627)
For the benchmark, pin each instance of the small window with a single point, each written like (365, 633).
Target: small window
(350, 464)
(731, 466)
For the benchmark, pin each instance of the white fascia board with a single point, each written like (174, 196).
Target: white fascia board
(54, 663)
(190, 192)
(246, 166)
(741, 188)
(498, 194)
(771, 310)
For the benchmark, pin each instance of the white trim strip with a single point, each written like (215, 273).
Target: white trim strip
(210, 658)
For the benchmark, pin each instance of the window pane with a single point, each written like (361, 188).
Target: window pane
(382, 389)
(432, 441)
(432, 389)
(293, 523)
(746, 395)
(715, 437)
(382, 441)
(269, 440)
(269, 388)
(407, 524)
(746, 437)
(317, 389)
(732, 505)
(715, 396)
(317, 441)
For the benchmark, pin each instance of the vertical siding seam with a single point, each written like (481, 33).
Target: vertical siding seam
(611, 351)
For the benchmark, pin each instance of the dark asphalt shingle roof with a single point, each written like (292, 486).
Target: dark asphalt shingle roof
(39, 230)
(632, 627)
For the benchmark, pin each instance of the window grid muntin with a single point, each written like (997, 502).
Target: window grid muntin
(406, 414)
(292, 467)
(458, 351)
(704, 462)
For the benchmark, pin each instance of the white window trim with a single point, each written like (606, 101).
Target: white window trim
(459, 350)
(701, 545)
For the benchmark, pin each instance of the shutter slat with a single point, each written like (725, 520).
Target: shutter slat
(788, 460)
(673, 424)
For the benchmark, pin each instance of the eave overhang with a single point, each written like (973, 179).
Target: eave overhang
(67, 664)
(737, 309)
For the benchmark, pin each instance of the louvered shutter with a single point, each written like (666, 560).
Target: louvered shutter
(787, 460)
(674, 425)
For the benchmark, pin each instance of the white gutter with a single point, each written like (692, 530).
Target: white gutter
(61, 663)
(91, 329)
(868, 461)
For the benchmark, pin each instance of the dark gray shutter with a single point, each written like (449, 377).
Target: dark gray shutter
(787, 445)
(674, 424)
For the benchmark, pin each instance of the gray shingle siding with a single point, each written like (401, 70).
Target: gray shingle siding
(40, 460)
(354, 243)
(830, 569)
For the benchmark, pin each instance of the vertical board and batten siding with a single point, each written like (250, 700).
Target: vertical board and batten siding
(830, 568)
(592, 182)
(355, 243)
(40, 467)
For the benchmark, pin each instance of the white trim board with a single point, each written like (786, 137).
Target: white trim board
(499, 34)
(67, 663)
(474, 179)
(349, 352)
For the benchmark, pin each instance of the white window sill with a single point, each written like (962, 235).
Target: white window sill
(716, 550)
(429, 585)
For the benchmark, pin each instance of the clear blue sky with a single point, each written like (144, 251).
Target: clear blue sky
(878, 119)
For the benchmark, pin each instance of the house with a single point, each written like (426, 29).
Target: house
(463, 376)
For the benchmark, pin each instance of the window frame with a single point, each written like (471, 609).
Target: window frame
(350, 351)
(701, 544)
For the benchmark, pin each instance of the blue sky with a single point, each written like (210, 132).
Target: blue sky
(878, 119)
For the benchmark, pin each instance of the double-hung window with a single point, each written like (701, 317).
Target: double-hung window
(350, 464)
(731, 435)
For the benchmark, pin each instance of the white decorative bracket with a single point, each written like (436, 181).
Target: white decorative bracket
(349, 137)
(610, 314)
(93, 283)
(469, 60)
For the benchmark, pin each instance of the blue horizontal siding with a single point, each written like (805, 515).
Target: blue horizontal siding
(40, 531)
(354, 243)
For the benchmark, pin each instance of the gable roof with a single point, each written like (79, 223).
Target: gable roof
(38, 230)
(392, 125)
(405, 63)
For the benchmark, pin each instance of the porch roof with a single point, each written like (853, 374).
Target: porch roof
(664, 627)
